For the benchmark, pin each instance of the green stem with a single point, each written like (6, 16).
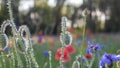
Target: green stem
(50, 55)
(0, 62)
(82, 52)
(61, 58)
(91, 63)
(83, 35)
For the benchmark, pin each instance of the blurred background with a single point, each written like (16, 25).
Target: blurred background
(45, 15)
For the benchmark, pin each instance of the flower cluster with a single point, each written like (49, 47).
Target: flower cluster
(108, 59)
(69, 49)
(92, 48)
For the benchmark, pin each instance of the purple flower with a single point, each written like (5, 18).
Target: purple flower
(107, 59)
(79, 42)
(88, 51)
(46, 52)
(83, 59)
(94, 47)
(6, 48)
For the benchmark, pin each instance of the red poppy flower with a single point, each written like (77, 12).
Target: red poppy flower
(88, 56)
(66, 57)
(70, 49)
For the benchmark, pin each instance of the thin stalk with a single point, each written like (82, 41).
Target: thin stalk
(83, 35)
(0, 62)
(11, 16)
(50, 55)
(91, 63)
(61, 58)
(83, 39)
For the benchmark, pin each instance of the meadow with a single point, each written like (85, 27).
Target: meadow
(69, 49)
(109, 43)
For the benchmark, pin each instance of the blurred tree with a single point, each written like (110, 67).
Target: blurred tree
(43, 16)
(113, 24)
(57, 13)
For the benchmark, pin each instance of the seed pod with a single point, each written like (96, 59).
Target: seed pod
(66, 38)
(85, 12)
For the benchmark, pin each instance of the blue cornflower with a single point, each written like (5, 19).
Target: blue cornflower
(107, 59)
(88, 51)
(94, 47)
(83, 59)
(46, 52)
(6, 48)
(79, 42)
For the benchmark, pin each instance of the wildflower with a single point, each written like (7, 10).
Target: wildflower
(6, 48)
(94, 47)
(107, 59)
(46, 52)
(79, 42)
(66, 56)
(88, 56)
(70, 49)
(88, 51)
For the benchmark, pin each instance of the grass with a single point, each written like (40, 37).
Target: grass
(109, 43)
